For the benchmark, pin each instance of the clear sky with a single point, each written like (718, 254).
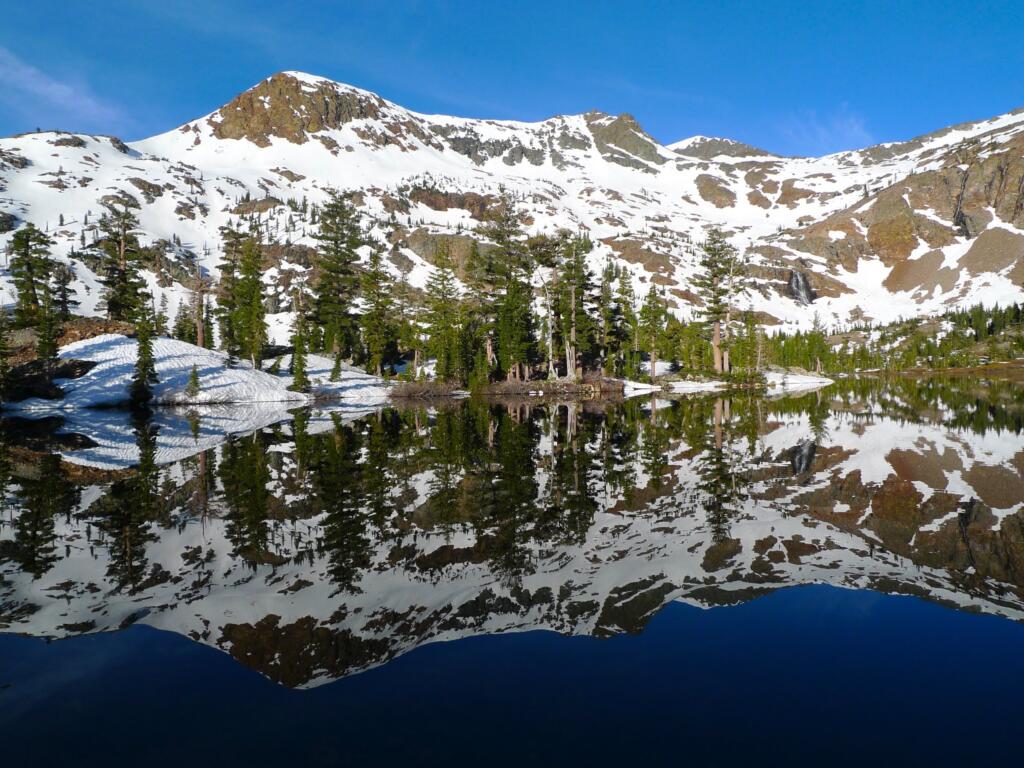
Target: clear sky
(792, 77)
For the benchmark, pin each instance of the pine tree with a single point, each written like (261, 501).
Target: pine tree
(340, 238)
(183, 329)
(192, 389)
(248, 318)
(160, 318)
(5, 353)
(574, 296)
(227, 302)
(377, 323)
(144, 376)
(63, 277)
(119, 244)
(630, 345)
(510, 314)
(443, 317)
(652, 325)
(300, 378)
(31, 269)
(610, 319)
(719, 281)
(47, 332)
(410, 335)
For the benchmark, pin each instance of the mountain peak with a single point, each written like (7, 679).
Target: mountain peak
(710, 147)
(290, 105)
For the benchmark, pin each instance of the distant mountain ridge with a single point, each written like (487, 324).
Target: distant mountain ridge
(896, 230)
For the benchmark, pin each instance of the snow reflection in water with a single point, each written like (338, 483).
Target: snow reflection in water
(313, 544)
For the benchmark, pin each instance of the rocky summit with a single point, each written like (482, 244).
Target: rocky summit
(891, 231)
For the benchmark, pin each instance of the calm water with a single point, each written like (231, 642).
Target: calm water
(831, 578)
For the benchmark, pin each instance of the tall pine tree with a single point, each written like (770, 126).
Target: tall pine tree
(140, 390)
(119, 245)
(31, 269)
(340, 238)
(248, 318)
(443, 317)
(377, 323)
(574, 297)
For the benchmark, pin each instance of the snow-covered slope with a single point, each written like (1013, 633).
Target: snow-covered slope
(107, 383)
(888, 231)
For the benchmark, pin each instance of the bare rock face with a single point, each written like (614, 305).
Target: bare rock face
(622, 140)
(285, 107)
(713, 189)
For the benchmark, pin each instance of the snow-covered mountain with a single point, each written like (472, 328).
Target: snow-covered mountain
(885, 232)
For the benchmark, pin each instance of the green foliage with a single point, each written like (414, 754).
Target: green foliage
(444, 319)
(47, 332)
(377, 323)
(5, 353)
(248, 320)
(300, 348)
(193, 389)
(652, 325)
(144, 376)
(227, 298)
(124, 290)
(340, 238)
(31, 270)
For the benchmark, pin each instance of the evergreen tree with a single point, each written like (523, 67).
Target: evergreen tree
(31, 269)
(511, 264)
(227, 302)
(144, 376)
(121, 253)
(192, 389)
(719, 281)
(47, 332)
(625, 301)
(65, 304)
(248, 319)
(410, 334)
(610, 329)
(377, 323)
(300, 346)
(160, 319)
(183, 329)
(443, 317)
(340, 238)
(652, 325)
(5, 353)
(574, 295)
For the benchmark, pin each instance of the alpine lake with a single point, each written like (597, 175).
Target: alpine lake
(834, 577)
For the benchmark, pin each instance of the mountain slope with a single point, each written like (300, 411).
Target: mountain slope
(893, 230)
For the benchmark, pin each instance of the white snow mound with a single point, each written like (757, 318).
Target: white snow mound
(107, 384)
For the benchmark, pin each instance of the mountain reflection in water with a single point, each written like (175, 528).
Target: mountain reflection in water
(325, 543)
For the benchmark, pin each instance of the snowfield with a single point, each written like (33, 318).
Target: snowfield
(107, 384)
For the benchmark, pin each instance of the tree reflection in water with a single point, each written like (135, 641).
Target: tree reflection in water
(376, 534)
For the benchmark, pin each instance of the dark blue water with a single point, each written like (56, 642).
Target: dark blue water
(809, 675)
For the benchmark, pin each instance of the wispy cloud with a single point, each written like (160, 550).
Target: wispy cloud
(809, 132)
(49, 102)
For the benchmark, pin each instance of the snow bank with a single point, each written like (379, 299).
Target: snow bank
(778, 384)
(107, 384)
(353, 384)
(634, 388)
(784, 383)
(696, 386)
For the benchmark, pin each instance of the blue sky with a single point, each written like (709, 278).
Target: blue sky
(792, 77)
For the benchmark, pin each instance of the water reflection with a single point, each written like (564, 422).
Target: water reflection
(324, 543)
